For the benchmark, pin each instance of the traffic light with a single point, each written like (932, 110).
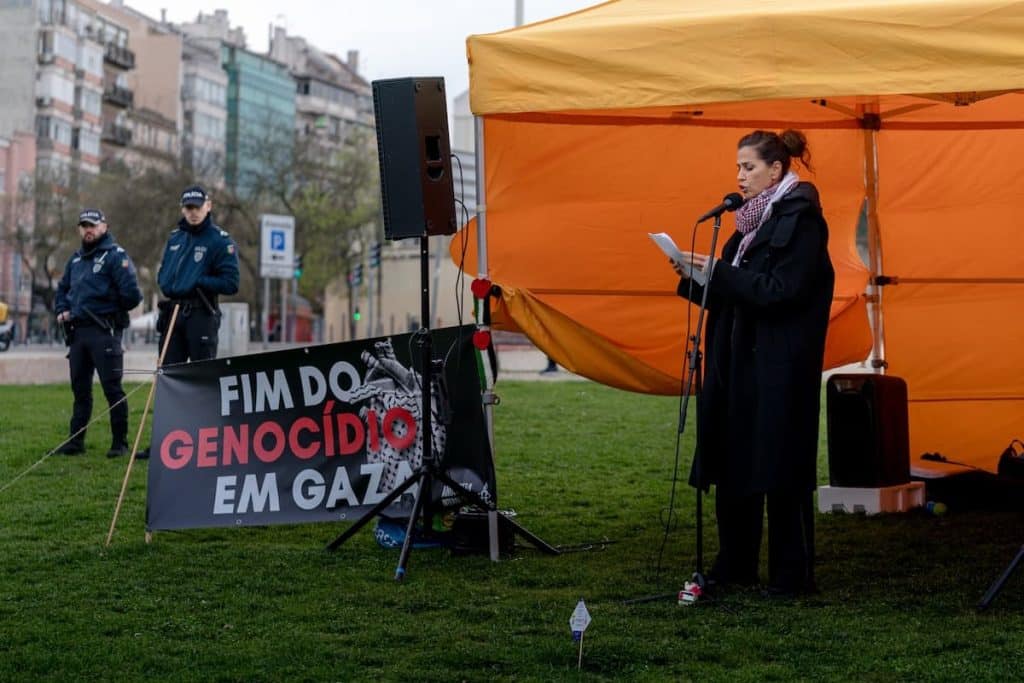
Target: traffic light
(298, 266)
(357, 275)
(356, 315)
(375, 254)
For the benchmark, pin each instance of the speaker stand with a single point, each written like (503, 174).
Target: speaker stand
(430, 470)
(997, 586)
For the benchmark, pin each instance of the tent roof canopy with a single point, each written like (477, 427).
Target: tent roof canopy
(622, 119)
(660, 54)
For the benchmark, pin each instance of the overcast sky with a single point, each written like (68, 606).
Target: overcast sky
(395, 38)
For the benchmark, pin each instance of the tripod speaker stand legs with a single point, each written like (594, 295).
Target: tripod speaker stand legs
(997, 586)
(431, 469)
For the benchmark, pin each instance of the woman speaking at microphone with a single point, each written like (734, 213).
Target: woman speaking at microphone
(768, 305)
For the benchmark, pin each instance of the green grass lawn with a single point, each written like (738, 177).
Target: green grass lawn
(579, 463)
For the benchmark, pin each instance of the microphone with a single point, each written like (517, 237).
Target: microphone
(730, 202)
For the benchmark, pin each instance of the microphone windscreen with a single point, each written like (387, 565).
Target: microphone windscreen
(734, 200)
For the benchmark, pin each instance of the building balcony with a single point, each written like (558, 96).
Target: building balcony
(117, 134)
(119, 56)
(118, 96)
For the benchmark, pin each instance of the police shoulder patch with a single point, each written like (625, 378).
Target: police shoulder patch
(126, 263)
(231, 248)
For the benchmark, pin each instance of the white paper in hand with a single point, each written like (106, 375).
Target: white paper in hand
(668, 245)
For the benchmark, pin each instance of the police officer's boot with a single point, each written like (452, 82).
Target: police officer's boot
(75, 446)
(118, 447)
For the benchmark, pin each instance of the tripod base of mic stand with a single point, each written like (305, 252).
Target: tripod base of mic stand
(997, 586)
(697, 578)
(424, 476)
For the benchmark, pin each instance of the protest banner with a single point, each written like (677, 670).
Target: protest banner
(319, 433)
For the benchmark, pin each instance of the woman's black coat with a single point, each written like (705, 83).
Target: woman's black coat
(757, 419)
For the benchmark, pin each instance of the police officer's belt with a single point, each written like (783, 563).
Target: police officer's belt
(209, 304)
(196, 301)
(103, 321)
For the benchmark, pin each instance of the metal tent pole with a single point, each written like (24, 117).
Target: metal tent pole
(871, 122)
(481, 264)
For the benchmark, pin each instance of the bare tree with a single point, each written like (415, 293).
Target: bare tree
(331, 191)
(46, 243)
(141, 205)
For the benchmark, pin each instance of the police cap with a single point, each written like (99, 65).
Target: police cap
(91, 217)
(194, 195)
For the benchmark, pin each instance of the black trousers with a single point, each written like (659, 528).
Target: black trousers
(790, 537)
(96, 349)
(194, 336)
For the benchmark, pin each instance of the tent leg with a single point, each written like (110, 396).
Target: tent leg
(877, 360)
(488, 397)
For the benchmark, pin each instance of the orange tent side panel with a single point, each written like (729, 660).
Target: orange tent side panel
(568, 212)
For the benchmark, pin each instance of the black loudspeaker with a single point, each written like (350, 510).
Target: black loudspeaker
(417, 195)
(868, 436)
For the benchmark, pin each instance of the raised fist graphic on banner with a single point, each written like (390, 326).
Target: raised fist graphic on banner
(389, 384)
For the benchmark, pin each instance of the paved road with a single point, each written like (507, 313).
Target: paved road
(38, 364)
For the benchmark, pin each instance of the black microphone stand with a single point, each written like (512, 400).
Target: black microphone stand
(694, 381)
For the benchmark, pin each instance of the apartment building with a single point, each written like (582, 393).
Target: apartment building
(143, 80)
(463, 140)
(333, 104)
(260, 102)
(17, 165)
(53, 56)
(205, 108)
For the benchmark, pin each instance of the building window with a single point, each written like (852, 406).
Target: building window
(43, 126)
(88, 142)
(52, 11)
(55, 85)
(90, 101)
(109, 33)
(200, 88)
(61, 131)
(207, 126)
(54, 129)
(65, 46)
(90, 58)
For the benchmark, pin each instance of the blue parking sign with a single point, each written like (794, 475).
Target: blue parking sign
(277, 240)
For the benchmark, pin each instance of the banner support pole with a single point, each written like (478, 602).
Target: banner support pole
(138, 433)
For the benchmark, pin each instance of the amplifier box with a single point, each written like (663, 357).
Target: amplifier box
(868, 436)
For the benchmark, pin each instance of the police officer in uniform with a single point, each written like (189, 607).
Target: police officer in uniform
(200, 263)
(96, 292)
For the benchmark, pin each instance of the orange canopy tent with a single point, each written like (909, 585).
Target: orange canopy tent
(598, 127)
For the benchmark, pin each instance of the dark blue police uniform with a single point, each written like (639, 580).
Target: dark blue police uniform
(98, 289)
(200, 262)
